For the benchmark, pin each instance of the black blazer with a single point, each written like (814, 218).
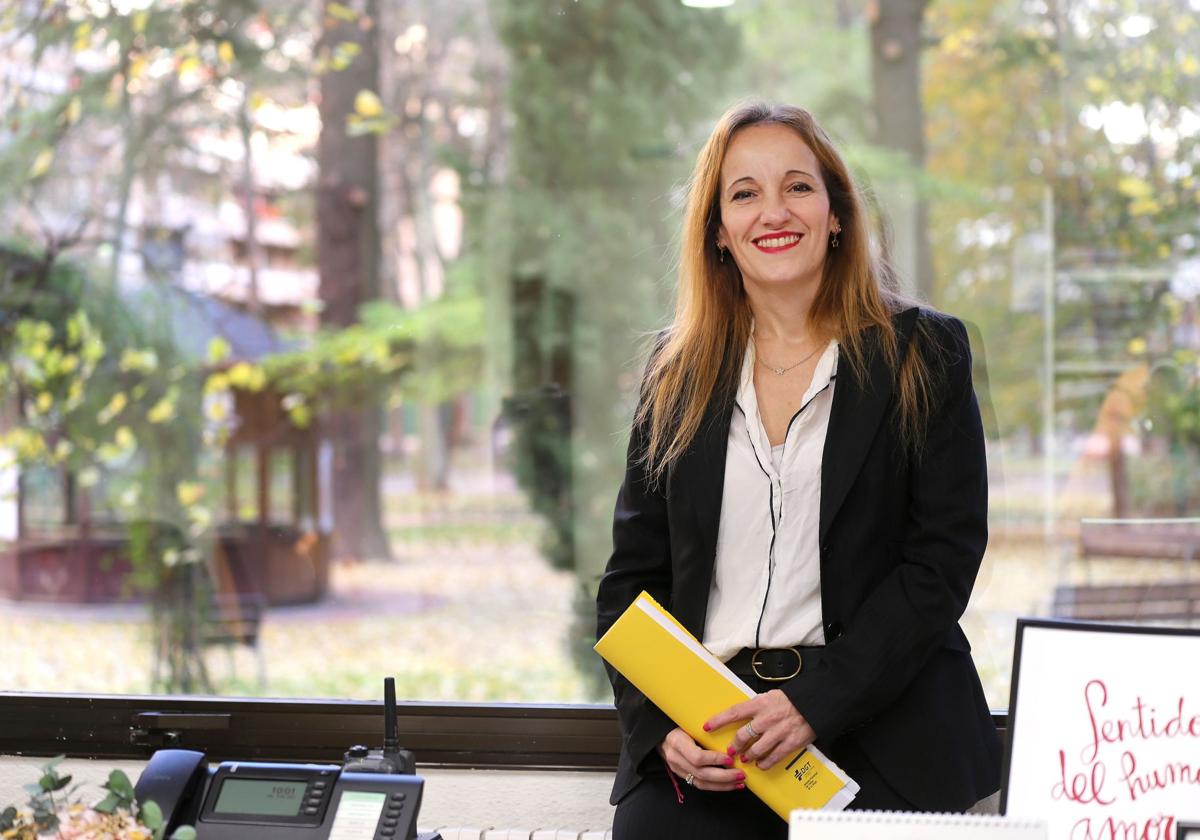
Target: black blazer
(901, 541)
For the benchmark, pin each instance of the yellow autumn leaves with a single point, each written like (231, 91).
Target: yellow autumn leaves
(41, 163)
(369, 117)
(367, 104)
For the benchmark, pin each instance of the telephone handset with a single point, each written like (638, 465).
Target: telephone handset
(174, 780)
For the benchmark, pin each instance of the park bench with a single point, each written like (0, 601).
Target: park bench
(218, 603)
(236, 609)
(1157, 539)
(1125, 602)
(1151, 539)
(220, 619)
(233, 620)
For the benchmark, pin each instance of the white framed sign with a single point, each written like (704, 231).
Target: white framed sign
(1104, 730)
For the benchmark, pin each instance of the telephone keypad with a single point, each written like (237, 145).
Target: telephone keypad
(391, 817)
(315, 795)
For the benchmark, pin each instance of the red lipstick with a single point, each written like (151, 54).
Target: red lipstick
(781, 241)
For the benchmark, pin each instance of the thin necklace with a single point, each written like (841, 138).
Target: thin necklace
(782, 370)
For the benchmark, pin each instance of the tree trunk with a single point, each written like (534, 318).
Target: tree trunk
(132, 138)
(900, 125)
(249, 192)
(1118, 472)
(348, 261)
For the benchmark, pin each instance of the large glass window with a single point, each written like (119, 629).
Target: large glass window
(321, 324)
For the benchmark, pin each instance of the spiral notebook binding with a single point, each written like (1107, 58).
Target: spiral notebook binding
(922, 818)
(974, 825)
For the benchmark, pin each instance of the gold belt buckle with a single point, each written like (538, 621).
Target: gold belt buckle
(754, 663)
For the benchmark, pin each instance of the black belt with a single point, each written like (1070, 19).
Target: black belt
(774, 664)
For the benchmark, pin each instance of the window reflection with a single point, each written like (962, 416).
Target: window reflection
(334, 318)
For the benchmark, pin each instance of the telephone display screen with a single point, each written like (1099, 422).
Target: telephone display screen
(269, 797)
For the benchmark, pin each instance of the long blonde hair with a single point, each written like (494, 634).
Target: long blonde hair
(699, 356)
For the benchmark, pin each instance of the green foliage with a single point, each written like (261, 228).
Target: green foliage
(541, 420)
(340, 367)
(92, 384)
(152, 816)
(105, 398)
(1175, 396)
(1172, 416)
(136, 84)
(44, 810)
(1089, 109)
(117, 813)
(816, 55)
(117, 57)
(120, 794)
(608, 100)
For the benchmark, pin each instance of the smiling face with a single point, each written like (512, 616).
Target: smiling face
(775, 215)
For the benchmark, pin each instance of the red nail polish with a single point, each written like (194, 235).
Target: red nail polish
(707, 727)
(741, 777)
(729, 761)
(745, 760)
(741, 786)
(731, 752)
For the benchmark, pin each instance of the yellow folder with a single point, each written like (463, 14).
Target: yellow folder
(679, 675)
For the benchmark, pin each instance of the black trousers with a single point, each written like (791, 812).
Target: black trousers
(652, 811)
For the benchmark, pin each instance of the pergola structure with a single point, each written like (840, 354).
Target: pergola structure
(277, 553)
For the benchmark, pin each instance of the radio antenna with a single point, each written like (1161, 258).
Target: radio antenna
(391, 743)
(391, 759)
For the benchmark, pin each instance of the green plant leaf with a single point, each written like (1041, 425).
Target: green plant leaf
(151, 816)
(184, 832)
(119, 783)
(108, 804)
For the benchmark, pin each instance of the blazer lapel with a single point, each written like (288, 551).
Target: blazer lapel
(857, 410)
(698, 481)
(709, 485)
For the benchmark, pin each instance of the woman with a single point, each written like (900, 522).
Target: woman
(806, 492)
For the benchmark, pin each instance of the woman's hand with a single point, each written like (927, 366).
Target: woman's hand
(697, 766)
(774, 729)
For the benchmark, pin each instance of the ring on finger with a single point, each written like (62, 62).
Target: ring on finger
(690, 780)
(750, 729)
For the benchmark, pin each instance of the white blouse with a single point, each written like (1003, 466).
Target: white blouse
(766, 588)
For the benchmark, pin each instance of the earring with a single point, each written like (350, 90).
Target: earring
(721, 251)
(833, 243)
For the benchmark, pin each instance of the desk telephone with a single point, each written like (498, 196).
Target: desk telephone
(374, 795)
